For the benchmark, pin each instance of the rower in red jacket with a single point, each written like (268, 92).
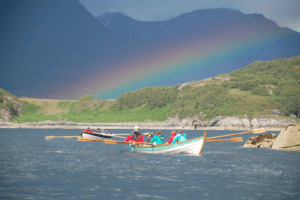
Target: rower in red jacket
(136, 136)
(88, 130)
(173, 134)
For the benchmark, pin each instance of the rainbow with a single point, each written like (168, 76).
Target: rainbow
(176, 63)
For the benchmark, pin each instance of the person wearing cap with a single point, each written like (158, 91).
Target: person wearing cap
(158, 138)
(136, 136)
(150, 136)
(97, 130)
(173, 134)
(180, 137)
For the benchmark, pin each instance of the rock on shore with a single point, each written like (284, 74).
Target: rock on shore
(288, 139)
(228, 123)
(261, 141)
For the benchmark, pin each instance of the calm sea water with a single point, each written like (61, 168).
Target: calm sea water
(32, 167)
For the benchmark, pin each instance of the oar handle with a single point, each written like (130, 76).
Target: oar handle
(121, 142)
(231, 140)
(253, 131)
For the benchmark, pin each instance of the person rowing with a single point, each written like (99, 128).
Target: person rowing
(150, 136)
(173, 134)
(158, 138)
(88, 130)
(180, 137)
(136, 136)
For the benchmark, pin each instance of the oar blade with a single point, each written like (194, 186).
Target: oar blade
(111, 141)
(262, 130)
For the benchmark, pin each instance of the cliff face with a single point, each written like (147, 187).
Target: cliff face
(7, 113)
(230, 122)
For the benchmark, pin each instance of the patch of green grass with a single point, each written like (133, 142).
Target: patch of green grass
(31, 114)
(140, 115)
(34, 117)
(2, 105)
(64, 104)
(224, 107)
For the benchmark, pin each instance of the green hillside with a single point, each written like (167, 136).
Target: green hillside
(254, 90)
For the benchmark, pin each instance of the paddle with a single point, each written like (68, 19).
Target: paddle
(237, 139)
(120, 133)
(121, 142)
(253, 131)
(147, 133)
(52, 137)
(118, 136)
(89, 140)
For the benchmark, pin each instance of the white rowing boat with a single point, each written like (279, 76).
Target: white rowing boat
(96, 135)
(192, 147)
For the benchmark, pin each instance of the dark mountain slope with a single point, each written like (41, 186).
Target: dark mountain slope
(46, 44)
(202, 23)
(232, 39)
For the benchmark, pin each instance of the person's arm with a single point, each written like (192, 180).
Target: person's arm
(141, 139)
(128, 138)
(153, 139)
(170, 140)
(175, 138)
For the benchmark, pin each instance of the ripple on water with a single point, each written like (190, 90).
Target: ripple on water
(67, 169)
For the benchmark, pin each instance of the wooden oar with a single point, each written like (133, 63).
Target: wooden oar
(89, 140)
(118, 136)
(237, 139)
(253, 131)
(52, 137)
(121, 142)
(147, 133)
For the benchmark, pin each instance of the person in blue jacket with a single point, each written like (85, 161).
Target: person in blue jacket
(180, 137)
(158, 138)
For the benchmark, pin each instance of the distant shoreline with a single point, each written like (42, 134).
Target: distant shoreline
(82, 126)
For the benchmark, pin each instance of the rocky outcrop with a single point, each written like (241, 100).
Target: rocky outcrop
(261, 141)
(259, 122)
(204, 81)
(275, 111)
(288, 139)
(18, 106)
(5, 114)
(223, 122)
(234, 121)
(5, 123)
(214, 121)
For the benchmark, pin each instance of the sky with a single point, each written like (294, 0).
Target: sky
(286, 13)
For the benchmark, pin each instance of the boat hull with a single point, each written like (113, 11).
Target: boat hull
(191, 147)
(95, 136)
